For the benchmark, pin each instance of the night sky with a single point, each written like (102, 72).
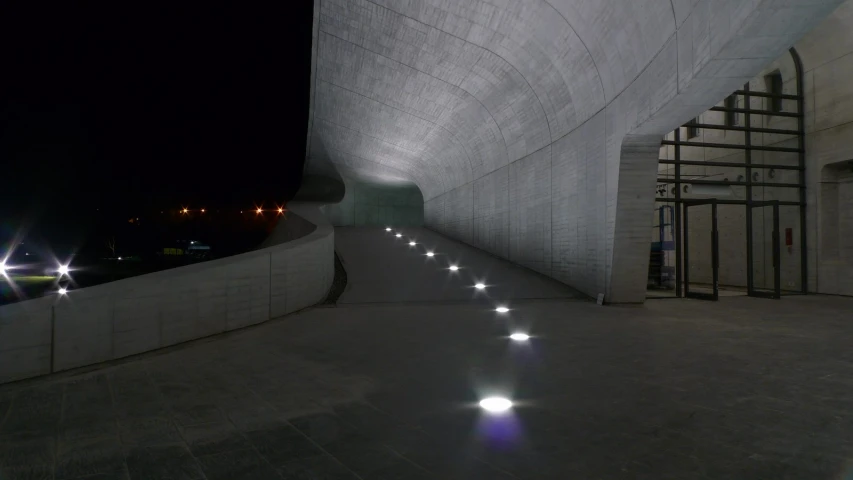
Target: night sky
(124, 111)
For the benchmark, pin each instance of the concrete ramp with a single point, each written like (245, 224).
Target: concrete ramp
(382, 268)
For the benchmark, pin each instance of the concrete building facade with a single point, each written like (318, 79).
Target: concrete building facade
(533, 128)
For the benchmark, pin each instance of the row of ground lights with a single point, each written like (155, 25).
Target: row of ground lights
(490, 404)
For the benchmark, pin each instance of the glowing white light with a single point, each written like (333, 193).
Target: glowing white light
(388, 229)
(495, 404)
(429, 254)
(412, 244)
(398, 235)
(63, 270)
(520, 337)
(479, 286)
(501, 309)
(453, 268)
(63, 291)
(119, 258)
(3, 268)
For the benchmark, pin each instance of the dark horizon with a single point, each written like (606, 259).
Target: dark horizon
(112, 114)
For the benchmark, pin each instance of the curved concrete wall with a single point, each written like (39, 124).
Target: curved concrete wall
(532, 127)
(161, 309)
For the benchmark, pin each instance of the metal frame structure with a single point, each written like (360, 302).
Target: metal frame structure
(749, 183)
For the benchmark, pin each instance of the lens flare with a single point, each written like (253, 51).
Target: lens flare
(520, 337)
(502, 309)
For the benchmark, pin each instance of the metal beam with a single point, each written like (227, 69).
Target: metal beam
(733, 146)
(756, 112)
(712, 126)
(710, 163)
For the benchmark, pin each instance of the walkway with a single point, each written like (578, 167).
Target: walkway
(678, 389)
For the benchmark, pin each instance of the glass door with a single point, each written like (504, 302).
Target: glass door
(701, 250)
(763, 241)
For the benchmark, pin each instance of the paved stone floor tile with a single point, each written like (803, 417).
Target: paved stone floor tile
(210, 438)
(90, 457)
(197, 414)
(282, 444)
(162, 462)
(25, 449)
(149, 431)
(321, 467)
(237, 465)
(29, 472)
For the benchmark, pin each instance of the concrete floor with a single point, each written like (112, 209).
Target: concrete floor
(678, 389)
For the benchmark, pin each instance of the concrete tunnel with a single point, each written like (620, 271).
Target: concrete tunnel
(529, 128)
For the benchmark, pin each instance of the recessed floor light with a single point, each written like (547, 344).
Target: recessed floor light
(412, 244)
(495, 404)
(453, 268)
(480, 286)
(520, 337)
(429, 254)
(388, 229)
(501, 309)
(399, 235)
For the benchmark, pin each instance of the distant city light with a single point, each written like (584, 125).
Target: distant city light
(453, 268)
(260, 210)
(430, 254)
(501, 309)
(119, 258)
(185, 210)
(495, 404)
(520, 337)
(280, 210)
(202, 210)
(480, 286)
(63, 291)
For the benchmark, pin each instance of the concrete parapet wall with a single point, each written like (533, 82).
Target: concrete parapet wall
(136, 315)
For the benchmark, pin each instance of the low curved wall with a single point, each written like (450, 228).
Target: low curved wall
(157, 310)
